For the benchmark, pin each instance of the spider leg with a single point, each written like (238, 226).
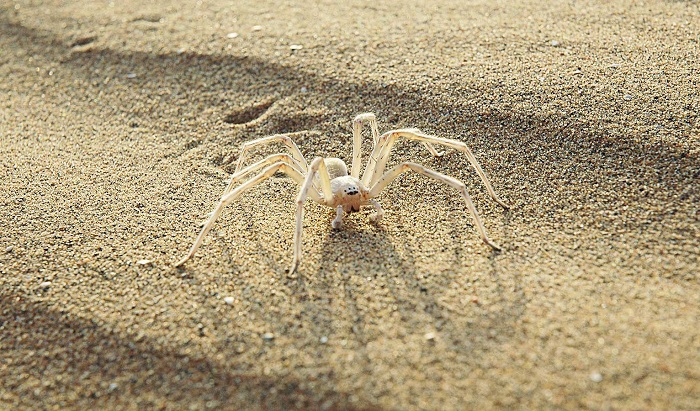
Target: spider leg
(432, 150)
(317, 166)
(277, 138)
(371, 120)
(284, 139)
(380, 211)
(275, 158)
(381, 149)
(338, 220)
(388, 139)
(391, 175)
(229, 197)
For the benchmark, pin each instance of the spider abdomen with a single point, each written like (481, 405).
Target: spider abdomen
(336, 167)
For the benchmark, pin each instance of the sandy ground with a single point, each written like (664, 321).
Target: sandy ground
(119, 125)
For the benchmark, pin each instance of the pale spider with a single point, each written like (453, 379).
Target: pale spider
(327, 182)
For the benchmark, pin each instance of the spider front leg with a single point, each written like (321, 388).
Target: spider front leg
(275, 158)
(229, 197)
(338, 220)
(307, 187)
(403, 167)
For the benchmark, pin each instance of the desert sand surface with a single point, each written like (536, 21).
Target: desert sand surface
(121, 123)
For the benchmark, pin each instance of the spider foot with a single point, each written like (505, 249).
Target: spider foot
(376, 217)
(493, 245)
(291, 272)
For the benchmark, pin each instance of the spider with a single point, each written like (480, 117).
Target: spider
(327, 182)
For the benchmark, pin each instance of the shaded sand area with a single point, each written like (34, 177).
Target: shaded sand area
(119, 124)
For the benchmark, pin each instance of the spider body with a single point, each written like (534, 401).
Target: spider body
(347, 191)
(327, 181)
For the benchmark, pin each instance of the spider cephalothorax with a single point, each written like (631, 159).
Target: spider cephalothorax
(346, 190)
(327, 182)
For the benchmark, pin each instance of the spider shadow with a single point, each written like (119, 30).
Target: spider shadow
(350, 258)
(378, 269)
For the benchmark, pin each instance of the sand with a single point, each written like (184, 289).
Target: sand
(121, 124)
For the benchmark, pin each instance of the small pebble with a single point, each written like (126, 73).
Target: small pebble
(45, 284)
(296, 47)
(268, 336)
(257, 28)
(9, 249)
(228, 300)
(143, 262)
(232, 35)
(628, 97)
(131, 75)
(324, 339)
(554, 43)
(596, 377)
(430, 336)
(304, 89)
(113, 386)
